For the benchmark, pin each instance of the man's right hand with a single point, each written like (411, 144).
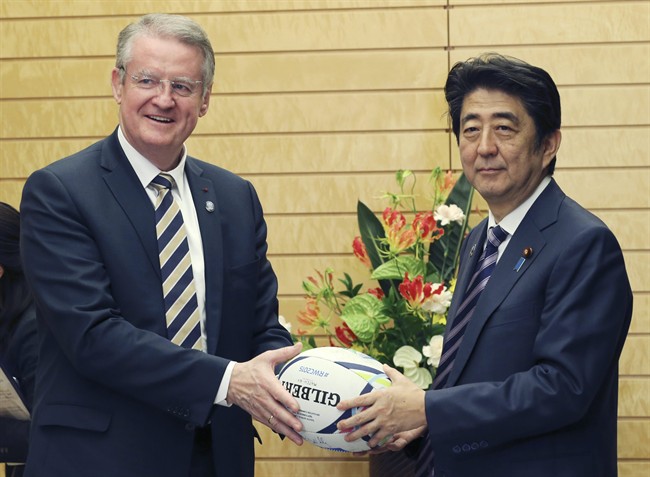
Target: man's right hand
(255, 388)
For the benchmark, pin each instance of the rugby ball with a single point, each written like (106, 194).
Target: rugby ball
(319, 379)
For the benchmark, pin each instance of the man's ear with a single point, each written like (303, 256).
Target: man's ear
(117, 85)
(551, 145)
(205, 102)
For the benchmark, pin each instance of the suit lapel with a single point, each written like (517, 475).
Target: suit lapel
(207, 212)
(508, 271)
(123, 183)
(472, 252)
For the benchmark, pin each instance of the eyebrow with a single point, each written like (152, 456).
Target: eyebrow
(498, 115)
(148, 73)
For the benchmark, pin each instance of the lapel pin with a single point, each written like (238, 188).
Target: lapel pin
(471, 252)
(520, 262)
(527, 253)
(209, 206)
(205, 189)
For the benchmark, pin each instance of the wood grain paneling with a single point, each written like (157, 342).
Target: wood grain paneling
(245, 32)
(633, 438)
(559, 23)
(641, 314)
(634, 397)
(635, 359)
(317, 468)
(579, 64)
(633, 468)
(45, 8)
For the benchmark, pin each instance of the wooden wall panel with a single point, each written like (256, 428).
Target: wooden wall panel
(633, 395)
(318, 102)
(633, 468)
(550, 24)
(40, 8)
(579, 64)
(252, 32)
(633, 438)
(635, 359)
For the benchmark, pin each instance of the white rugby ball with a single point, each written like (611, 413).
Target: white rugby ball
(319, 379)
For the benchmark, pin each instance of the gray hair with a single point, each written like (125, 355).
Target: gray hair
(162, 25)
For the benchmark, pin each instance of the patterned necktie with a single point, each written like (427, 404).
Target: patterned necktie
(454, 336)
(179, 291)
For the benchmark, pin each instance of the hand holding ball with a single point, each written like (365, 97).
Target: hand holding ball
(319, 379)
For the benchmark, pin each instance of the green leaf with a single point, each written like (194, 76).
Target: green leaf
(444, 253)
(363, 314)
(396, 268)
(372, 232)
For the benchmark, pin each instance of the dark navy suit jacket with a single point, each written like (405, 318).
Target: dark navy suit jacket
(114, 397)
(533, 391)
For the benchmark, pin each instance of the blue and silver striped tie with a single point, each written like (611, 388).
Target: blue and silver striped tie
(454, 336)
(179, 291)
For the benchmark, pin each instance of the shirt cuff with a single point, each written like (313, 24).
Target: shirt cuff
(222, 392)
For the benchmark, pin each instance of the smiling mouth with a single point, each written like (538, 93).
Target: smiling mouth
(160, 119)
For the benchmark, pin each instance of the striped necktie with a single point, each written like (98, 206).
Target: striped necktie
(454, 336)
(179, 291)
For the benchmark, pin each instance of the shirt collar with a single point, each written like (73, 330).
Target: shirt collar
(511, 221)
(144, 169)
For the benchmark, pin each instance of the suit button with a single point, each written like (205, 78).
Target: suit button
(475, 445)
(483, 444)
(466, 448)
(456, 449)
(190, 427)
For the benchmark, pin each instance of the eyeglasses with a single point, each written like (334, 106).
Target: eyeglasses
(182, 88)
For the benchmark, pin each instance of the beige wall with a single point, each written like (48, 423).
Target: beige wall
(318, 102)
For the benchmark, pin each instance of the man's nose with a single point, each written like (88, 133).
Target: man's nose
(487, 144)
(165, 94)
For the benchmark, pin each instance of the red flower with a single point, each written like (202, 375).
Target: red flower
(309, 316)
(345, 335)
(378, 292)
(426, 228)
(359, 249)
(398, 235)
(417, 292)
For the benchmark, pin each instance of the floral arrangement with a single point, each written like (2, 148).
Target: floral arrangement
(412, 257)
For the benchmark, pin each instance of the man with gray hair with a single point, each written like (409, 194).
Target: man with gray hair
(156, 303)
